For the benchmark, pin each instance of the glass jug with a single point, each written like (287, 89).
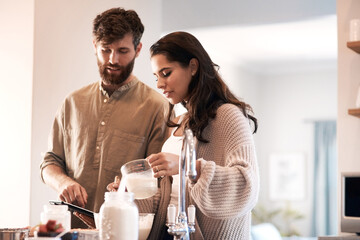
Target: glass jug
(138, 178)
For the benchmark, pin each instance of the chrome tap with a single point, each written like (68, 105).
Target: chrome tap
(181, 227)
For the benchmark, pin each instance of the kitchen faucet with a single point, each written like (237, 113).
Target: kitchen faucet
(181, 227)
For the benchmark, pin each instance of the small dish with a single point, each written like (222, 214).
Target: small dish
(54, 236)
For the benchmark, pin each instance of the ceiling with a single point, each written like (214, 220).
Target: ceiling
(274, 47)
(187, 14)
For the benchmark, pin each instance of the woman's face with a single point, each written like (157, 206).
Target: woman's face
(172, 78)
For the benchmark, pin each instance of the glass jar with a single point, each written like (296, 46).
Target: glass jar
(59, 213)
(119, 217)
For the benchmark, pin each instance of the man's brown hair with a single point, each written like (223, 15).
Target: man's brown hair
(115, 23)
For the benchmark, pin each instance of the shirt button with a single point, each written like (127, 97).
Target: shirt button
(105, 100)
(97, 147)
(103, 123)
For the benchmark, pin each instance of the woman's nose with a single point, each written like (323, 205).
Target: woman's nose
(160, 83)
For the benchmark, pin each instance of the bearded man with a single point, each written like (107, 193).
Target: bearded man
(100, 127)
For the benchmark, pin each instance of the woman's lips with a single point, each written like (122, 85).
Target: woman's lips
(167, 93)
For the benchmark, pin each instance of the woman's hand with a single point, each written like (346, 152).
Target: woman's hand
(114, 186)
(164, 164)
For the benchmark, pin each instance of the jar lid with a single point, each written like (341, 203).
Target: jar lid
(119, 195)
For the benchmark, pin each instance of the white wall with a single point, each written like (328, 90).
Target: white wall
(16, 62)
(348, 82)
(287, 106)
(243, 83)
(64, 60)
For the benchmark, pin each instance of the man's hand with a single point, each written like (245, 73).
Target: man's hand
(73, 192)
(69, 190)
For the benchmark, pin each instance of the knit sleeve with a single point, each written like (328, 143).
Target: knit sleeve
(228, 187)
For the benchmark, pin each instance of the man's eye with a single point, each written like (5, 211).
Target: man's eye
(106, 50)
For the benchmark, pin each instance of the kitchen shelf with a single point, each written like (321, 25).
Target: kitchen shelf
(355, 46)
(355, 112)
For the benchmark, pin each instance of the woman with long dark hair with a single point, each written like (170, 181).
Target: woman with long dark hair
(227, 184)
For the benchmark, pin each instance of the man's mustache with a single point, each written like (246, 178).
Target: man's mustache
(114, 66)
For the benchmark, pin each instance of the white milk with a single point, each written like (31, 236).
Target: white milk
(122, 184)
(142, 184)
(119, 217)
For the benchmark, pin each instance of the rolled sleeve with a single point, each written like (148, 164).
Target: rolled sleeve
(55, 154)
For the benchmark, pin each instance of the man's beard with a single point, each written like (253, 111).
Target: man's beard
(115, 79)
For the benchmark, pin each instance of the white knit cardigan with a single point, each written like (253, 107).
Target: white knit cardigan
(228, 187)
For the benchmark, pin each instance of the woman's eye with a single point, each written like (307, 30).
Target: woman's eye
(166, 74)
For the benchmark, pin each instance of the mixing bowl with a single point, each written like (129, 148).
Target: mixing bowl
(145, 223)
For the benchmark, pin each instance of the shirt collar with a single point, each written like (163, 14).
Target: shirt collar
(120, 89)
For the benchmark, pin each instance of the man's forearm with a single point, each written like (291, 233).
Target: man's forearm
(55, 177)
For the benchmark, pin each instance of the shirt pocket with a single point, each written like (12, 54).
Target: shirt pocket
(75, 146)
(124, 147)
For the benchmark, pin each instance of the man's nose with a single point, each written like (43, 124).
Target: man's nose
(114, 58)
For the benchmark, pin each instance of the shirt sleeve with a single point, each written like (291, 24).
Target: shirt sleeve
(158, 131)
(55, 154)
(230, 188)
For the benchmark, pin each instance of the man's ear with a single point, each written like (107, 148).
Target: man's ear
(194, 66)
(138, 49)
(94, 45)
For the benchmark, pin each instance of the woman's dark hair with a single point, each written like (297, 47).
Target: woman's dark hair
(207, 90)
(115, 23)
